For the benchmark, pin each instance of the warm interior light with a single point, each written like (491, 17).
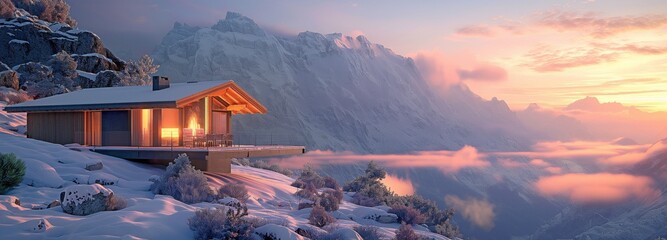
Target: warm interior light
(169, 136)
(193, 124)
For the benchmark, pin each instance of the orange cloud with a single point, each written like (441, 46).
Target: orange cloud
(596, 25)
(399, 185)
(478, 211)
(597, 188)
(588, 23)
(445, 161)
(547, 59)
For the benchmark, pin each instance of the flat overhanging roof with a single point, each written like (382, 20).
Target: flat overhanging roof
(143, 97)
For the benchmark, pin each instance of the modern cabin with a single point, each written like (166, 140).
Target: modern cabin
(182, 115)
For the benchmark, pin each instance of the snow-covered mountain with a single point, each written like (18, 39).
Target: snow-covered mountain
(335, 92)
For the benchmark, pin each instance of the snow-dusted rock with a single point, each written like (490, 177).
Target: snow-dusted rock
(387, 218)
(374, 214)
(346, 234)
(94, 62)
(310, 231)
(106, 79)
(276, 232)
(85, 199)
(94, 166)
(37, 225)
(55, 203)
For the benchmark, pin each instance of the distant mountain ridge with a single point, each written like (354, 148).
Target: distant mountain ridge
(336, 92)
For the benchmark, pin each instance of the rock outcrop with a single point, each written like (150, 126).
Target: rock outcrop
(85, 199)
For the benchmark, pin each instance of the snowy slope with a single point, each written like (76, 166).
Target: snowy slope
(51, 167)
(335, 92)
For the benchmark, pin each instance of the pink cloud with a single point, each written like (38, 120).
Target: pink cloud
(476, 31)
(539, 163)
(603, 153)
(445, 161)
(553, 170)
(442, 71)
(356, 33)
(597, 188)
(478, 211)
(399, 185)
(483, 72)
(509, 163)
(437, 69)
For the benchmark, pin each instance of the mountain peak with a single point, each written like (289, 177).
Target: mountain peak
(235, 22)
(593, 104)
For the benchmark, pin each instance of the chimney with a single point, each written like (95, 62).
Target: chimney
(160, 83)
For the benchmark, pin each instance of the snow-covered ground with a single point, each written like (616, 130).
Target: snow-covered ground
(52, 167)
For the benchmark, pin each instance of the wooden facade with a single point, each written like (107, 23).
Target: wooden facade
(150, 118)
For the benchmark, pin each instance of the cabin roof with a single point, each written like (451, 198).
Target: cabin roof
(143, 97)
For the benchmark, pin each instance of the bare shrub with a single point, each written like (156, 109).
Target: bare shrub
(368, 232)
(407, 215)
(405, 232)
(234, 190)
(320, 217)
(309, 192)
(308, 176)
(328, 201)
(331, 182)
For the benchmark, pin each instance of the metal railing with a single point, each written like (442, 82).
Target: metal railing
(267, 139)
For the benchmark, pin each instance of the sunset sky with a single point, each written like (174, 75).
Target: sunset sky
(548, 52)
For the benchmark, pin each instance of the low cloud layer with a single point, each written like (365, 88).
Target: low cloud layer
(478, 211)
(598, 187)
(603, 153)
(445, 161)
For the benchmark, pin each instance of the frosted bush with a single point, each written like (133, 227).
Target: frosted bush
(408, 215)
(183, 182)
(331, 182)
(329, 200)
(234, 190)
(405, 232)
(12, 170)
(221, 224)
(368, 232)
(320, 217)
(368, 188)
(308, 176)
(309, 192)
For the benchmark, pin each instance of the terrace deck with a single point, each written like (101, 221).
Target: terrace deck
(211, 159)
